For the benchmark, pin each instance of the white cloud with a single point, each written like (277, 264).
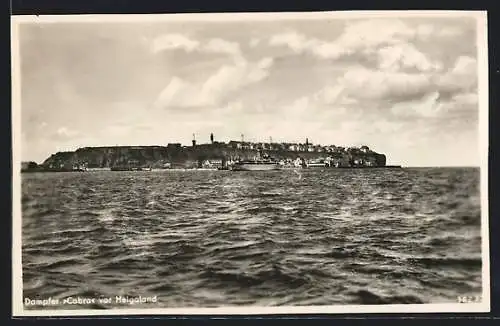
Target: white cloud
(390, 41)
(300, 43)
(65, 133)
(405, 56)
(373, 33)
(365, 83)
(467, 99)
(178, 93)
(298, 108)
(174, 42)
(464, 104)
(182, 42)
(334, 96)
(431, 106)
(462, 77)
(362, 83)
(232, 77)
(294, 41)
(427, 106)
(424, 31)
(231, 108)
(224, 81)
(450, 31)
(330, 103)
(386, 126)
(465, 66)
(218, 45)
(330, 94)
(254, 42)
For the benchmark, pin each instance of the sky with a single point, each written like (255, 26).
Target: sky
(405, 87)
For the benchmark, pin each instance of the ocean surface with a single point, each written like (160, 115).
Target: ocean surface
(222, 238)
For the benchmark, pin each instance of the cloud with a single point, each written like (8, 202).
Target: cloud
(179, 93)
(217, 87)
(231, 108)
(462, 108)
(233, 77)
(363, 83)
(295, 41)
(358, 36)
(428, 93)
(330, 94)
(462, 77)
(388, 41)
(368, 34)
(465, 66)
(226, 79)
(254, 42)
(450, 31)
(299, 43)
(466, 99)
(405, 56)
(426, 31)
(427, 106)
(383, 125)
(218, 45)
(181, 42)
(64, 133)
(174, 42)
(389, 69)
(331, 103)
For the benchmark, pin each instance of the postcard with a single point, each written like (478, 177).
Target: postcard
(250, 163)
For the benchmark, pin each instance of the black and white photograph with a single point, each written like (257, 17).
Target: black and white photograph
(250, 163)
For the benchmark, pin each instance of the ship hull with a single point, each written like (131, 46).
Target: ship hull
(316, 165)
(255, 167)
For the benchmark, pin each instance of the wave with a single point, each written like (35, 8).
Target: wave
(447, 262)
(258, 238)
(272, 277)
(369, 297)
(265, 209)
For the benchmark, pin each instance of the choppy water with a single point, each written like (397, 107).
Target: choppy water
(212, 238)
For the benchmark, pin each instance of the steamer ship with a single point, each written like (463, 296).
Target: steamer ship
(264, 163)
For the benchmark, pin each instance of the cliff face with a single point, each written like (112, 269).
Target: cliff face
(178, 156)
(29, 167)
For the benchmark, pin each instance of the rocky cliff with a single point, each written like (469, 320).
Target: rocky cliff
(190, 156)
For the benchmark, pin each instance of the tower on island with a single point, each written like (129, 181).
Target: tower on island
(307, 141)
(211, 138)
(194, 140)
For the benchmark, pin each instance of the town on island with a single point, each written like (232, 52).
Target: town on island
(214, 155)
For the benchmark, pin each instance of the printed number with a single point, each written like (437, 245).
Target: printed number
(468, 299)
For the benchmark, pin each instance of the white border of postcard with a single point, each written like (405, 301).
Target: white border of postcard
(482, 48)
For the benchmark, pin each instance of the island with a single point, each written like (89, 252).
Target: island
(211, 155)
